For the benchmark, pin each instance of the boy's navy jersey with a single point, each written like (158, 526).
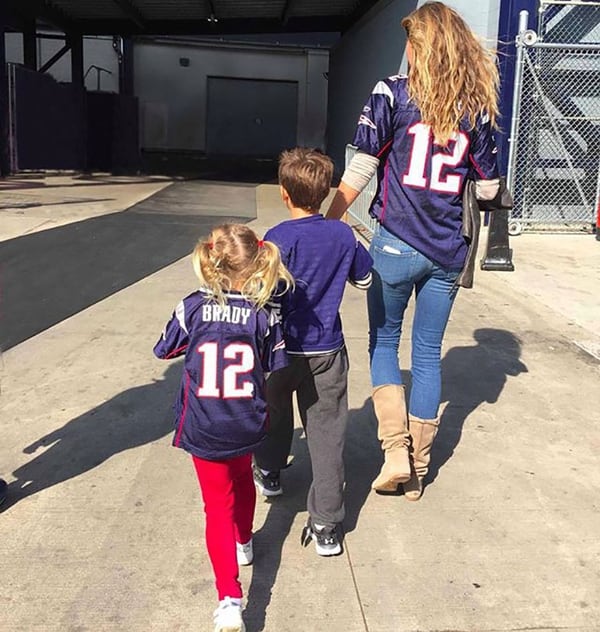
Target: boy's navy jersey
(221, 410)
(419, 196)
(321, 256)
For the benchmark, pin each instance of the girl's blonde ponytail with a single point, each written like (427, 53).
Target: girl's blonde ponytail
(234, 258)
(208, 269)
(269, 276)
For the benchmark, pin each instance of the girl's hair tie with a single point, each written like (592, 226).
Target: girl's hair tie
(261, 243)
(210, 245)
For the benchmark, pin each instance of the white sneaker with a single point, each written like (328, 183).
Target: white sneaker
(228, 616)
(245, 553)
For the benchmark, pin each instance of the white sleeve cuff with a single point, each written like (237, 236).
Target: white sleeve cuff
(361, 169)
(363, 284)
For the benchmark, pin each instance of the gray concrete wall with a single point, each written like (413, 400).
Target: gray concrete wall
(173, 98)
(367, 52)
(373, 49)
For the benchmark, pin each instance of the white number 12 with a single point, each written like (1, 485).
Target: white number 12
(234, 351)
(421, 149)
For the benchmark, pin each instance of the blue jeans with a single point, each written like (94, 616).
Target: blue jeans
(397, 269)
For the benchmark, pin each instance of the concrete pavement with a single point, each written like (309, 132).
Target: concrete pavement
(104, 531)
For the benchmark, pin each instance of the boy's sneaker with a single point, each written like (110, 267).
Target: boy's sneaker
(268, 484)
(326, 539)
(228, 616)
(245, 553)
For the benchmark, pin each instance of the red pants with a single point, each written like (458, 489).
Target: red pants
(229, 500)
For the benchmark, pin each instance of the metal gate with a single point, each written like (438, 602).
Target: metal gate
(554, 158)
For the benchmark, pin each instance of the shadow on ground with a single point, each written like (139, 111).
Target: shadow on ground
(45, 181)
(14, 201)
(269, 540)
(192, 164)
(50, 275)
(471, 375)
(362, 459)
(133, 418)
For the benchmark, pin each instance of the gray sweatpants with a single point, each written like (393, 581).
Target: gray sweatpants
(321, 386)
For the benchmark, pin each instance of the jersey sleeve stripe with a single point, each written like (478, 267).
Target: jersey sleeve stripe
(477, 168)
(382, 88)
(180, 314)
(186, 395)
(175, 352)
(385, 190)
(363, 284)
(384, 148)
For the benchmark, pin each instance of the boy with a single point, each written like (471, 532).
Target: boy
(321, 256)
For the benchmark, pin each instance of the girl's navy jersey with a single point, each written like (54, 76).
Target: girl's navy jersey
(420, 183)
(221, 411)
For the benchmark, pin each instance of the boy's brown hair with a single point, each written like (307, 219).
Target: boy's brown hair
(306, 176)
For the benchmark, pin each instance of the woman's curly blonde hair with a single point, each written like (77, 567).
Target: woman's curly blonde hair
(453, 76)
(233, 257)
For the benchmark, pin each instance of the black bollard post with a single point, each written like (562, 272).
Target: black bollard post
(498, 254)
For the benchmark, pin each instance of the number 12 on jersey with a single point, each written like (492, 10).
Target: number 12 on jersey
(209, 386)
(441, 179)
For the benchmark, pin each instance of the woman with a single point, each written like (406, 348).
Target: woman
(423, 134)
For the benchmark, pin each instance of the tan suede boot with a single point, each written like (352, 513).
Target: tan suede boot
(422, 432)
(390, 409)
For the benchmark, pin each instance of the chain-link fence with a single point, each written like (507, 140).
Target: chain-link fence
(554, 161)
(555, 132)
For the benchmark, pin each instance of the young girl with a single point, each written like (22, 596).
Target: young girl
(230, 339)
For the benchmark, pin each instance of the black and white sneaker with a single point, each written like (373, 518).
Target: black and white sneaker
(326, 539)
(268, 484)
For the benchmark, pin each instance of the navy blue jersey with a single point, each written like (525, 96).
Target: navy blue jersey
(420, 183)
(221, 411)
(321, 256)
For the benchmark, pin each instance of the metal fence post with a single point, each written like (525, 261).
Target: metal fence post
(514, 123)
(598, 206)
(498, 254)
